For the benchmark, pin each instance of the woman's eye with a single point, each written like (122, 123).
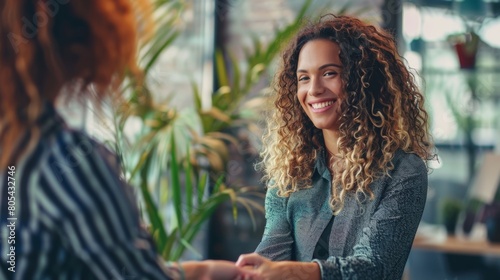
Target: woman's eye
(330, 73)
(303, 78)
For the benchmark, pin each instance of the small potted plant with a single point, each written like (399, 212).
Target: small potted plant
(466, 46)
(450, 210)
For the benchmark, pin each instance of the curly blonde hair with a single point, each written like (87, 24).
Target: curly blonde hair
(48, 45)
(383, 111)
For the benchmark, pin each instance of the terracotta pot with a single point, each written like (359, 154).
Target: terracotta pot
(466, 58)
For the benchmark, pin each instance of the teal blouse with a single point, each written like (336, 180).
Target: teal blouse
(369, 240)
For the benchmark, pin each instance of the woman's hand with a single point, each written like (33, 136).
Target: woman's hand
(283, 270)
(216, 270)
(255, 260)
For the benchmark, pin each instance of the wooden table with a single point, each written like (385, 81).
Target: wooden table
(455, 245)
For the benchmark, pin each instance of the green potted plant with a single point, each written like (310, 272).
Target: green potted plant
(450, 210)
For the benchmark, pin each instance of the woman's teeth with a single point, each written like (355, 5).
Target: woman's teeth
(321, 104)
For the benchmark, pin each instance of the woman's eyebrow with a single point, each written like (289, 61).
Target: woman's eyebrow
(321, 67)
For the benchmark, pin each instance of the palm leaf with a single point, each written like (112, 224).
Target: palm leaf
(176, 185)
(151, 208)
(189, 184)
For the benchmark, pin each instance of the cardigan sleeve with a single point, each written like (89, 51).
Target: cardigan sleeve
(383, 248)
(277, 241)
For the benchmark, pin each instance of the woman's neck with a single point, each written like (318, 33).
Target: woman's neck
(330, 139)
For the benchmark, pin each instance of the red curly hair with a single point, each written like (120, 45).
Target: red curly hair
(383, 111)
(48, 46)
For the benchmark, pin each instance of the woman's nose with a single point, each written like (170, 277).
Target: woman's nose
(317, 87)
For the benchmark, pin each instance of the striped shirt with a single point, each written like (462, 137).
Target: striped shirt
(65, 213)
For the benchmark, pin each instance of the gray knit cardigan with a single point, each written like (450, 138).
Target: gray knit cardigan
(371, 240)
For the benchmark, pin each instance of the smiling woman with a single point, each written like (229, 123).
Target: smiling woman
(344, 157)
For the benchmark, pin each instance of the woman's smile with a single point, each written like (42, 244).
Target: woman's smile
(321, 106)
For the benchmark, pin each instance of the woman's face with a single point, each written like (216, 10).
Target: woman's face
(319, 86)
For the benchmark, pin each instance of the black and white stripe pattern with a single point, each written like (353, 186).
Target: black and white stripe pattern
(75, 218)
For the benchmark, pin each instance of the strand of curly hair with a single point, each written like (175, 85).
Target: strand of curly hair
(47, 46)
(382, 111)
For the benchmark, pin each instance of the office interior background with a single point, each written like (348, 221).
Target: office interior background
(208, 66)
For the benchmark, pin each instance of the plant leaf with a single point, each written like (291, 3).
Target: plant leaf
(176, 185)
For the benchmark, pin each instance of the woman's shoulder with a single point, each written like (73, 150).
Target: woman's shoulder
(408, 164)
(63, 151)
(59, 144)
